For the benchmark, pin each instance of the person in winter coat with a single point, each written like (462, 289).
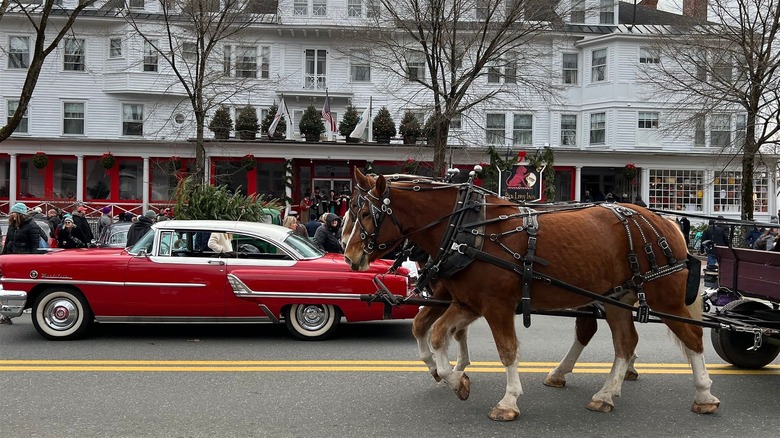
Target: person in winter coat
(79, 218)
(105, 219)
(140, 228)
(69, 235)
(24, 234)
(328, 235)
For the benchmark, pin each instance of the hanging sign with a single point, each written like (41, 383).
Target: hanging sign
(522, 183)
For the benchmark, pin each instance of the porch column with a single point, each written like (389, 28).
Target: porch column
(577, 183)
(79, 178)
(146, 185)
(13, 186)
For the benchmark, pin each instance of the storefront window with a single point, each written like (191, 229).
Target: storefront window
(164, 177)
(5, 174)
(681, 190)
(130, 181)
(64, 183)
(270, 179)
(727, 192)
(98, 179)
(31, 180)
(230, 173)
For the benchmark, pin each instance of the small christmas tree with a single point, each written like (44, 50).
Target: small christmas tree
(246, 123)
(348, 123)
(311, 125)
(221, 124)
(384, 126)
(281, 128)
(410, 128)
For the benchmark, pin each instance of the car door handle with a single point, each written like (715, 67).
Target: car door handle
(216, 262)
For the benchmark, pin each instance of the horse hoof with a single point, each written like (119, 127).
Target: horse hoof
(436, 376)
(705, 408)
(631, 375)
(503, 414)
(600, 406)
(554, 382)
(464, 389)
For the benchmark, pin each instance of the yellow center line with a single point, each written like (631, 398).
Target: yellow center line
(36, 365)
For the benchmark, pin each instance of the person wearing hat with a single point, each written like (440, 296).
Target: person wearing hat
(79, 218)
(140, 228)
(105, 219)
(328, 235)
(23, 236)
(69, 235)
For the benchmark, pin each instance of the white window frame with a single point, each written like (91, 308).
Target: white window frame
(607, 12)
(319, 8)
(495, 132)
(598, 72)
(227, 61)
(720, 130)
(740, 129)
(136, 4)
(131, 118)
(456, 122)
(115, 48)
(72, 115)
(151, 58)
(649, 56)
(265, 62)
(570, 72)
(522, 129)
(315, 75)
(373, 8)
(568, 132)
(246, 62)
(360, 66)
(598, 129)
(24, 124)
(577, 12)
(647, 120)
(301, 8)
(19, 53)
(189, 50)
(699, 130)
(354, 8)
(415, 63)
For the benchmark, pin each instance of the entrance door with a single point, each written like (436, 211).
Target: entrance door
(342, 188)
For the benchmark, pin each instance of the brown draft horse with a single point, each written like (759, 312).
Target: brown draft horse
(599, 241)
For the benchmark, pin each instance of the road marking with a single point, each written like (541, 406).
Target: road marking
(341, 366)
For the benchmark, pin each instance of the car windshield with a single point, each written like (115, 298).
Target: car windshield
(145, 244)
(304, 246)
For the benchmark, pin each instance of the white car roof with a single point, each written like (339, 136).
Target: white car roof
(275, 232)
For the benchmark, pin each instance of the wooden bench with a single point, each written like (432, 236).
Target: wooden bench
(754, 273)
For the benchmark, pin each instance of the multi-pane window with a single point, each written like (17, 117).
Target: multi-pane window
(132, 119)
(483, 9)
(568, 129)
(73, 118)
(73, 59)
(700, 130)
(607, 12)
(354, 8)
(227, 62)
(315, 65)
(495, 126)
(136, 4)
(18, 52)
(455, 122)
(265, 62)
(11, 106)
(720, 130)
(415, 66)
(301, 8)
(510, 68)
(648, 56)
(494, 73)
(570, 68)
(319, 8)
(246, 62)
(577, 12)
(189, 51)
(598, 67)
(522, 130)
(681, 190)
(360, 66)
(372, 8)
(115, 48)
(722, 71)
(598, 128)
(150, 55)
(741, 127)
(648, 120)
(727, 192)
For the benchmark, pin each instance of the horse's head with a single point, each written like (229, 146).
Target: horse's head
(363, 236)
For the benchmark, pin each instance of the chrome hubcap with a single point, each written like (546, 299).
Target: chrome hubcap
(60, 314)
(311, 317)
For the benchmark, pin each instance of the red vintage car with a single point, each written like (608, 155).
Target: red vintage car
(171, 275)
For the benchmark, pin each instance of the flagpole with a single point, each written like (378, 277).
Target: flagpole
(370, 122)
(327, 105)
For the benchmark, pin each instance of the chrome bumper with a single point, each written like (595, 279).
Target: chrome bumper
(12, 302)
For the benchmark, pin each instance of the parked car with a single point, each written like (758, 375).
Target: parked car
(114, 236)
(171, 276)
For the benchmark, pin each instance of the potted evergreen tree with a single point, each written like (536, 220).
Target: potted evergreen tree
(384, 126)
(410, 128)
(429, 131)
(311, 125)
(280, 133)
(221, 124)
(348, 123)
(246, 123)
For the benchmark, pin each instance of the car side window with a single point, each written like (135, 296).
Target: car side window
(166, 243)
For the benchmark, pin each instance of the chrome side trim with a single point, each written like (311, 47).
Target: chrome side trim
(269, 314)
(182, 319)
(12, 302)
(100, 283)
(241, 290)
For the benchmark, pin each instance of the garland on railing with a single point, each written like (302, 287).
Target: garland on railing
(288, 180)
(40, 160)
(108, 160)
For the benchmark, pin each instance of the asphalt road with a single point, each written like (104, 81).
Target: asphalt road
(256, 381)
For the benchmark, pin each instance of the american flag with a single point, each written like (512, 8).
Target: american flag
(328, 116)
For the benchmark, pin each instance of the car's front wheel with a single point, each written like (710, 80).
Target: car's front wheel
(61, 314)
(312, 322)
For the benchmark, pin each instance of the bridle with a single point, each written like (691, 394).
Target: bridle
(378, 216)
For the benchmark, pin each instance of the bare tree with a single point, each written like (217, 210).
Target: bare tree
(45, 19)
(188, 36)
(727, 65)
(445, 49)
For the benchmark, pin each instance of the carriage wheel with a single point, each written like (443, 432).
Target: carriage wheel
(61, 314)
(733, 346)
(312, 322)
